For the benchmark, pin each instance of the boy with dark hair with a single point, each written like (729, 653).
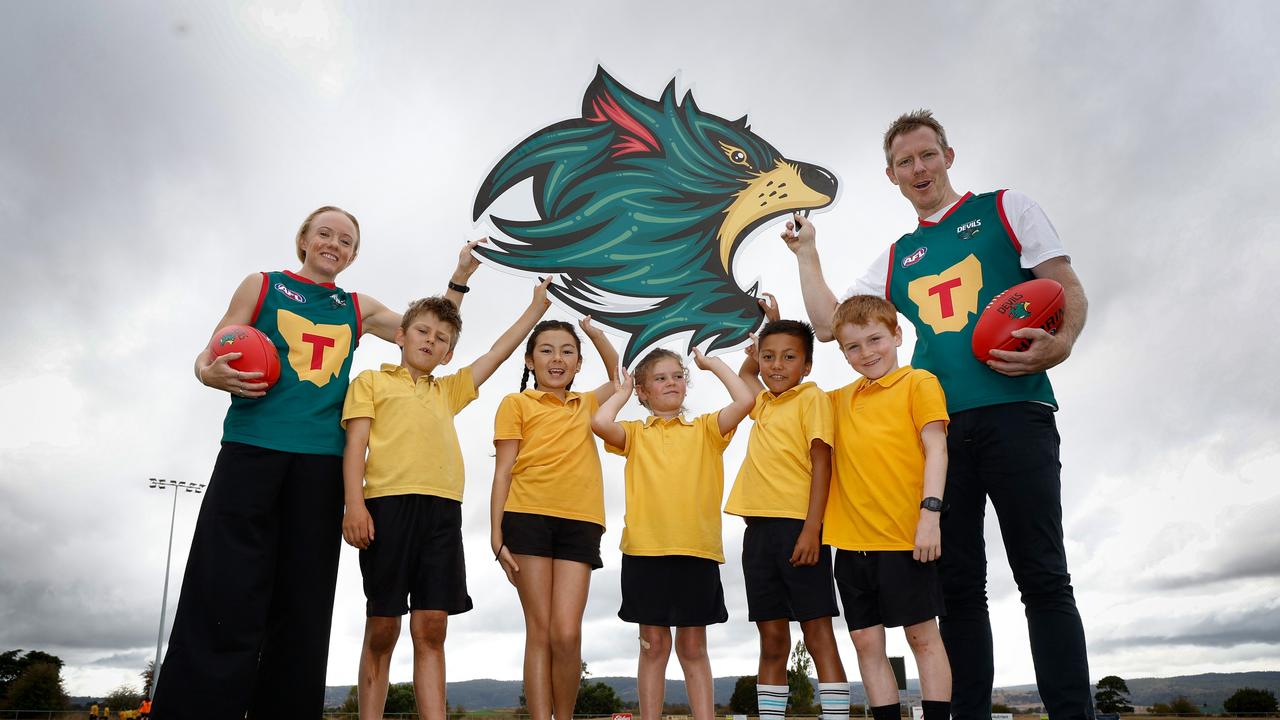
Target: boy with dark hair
(403, 479)
(890, 467)
(781, 493)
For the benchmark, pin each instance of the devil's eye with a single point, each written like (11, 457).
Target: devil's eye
(735, 155)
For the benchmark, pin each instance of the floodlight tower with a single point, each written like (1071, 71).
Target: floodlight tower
(175, 485)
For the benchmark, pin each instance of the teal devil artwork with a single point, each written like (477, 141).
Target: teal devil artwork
(642, 205)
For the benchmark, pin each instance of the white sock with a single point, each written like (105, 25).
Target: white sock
(771, 701)
(834, 697)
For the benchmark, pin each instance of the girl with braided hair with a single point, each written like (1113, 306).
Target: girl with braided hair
(547, 506)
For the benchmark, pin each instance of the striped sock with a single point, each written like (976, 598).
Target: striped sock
(834, 697)
(771, 701)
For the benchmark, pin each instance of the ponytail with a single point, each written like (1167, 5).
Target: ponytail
(524, 381)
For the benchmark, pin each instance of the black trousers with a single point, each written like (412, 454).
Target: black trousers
(251, 632)
(1009, 453)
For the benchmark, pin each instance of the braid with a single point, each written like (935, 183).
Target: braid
(524, 381)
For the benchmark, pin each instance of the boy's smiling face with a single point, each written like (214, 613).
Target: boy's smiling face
(871, 349)
(425, 345)
(783, 364)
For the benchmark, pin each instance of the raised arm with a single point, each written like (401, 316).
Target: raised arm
(1047, 350)
(381, 321)
(507, 343)
(608, 353)
(217, 373)
(933, 436)
(819, 302)
(742, 397)
(468, 263)
(749, 371)
(505, 453)
(605, 422)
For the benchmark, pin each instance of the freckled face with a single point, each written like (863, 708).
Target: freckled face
(871, 350)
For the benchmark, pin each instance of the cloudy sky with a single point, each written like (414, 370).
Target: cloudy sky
(151, 156)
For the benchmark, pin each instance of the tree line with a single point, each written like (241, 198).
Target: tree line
(1112, 697)
(32, 680)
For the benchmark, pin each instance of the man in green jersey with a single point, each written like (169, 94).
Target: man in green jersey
(1002, 442)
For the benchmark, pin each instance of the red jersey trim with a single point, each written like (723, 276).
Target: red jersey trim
(262, 297)
(1004, 220)
(961, 201)
(308, 281)
(355, 302)
(888, 277)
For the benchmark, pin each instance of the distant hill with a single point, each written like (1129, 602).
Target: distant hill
(1208, 689)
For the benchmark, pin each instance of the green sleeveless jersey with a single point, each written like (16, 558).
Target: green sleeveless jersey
(315, 328)
(941, 277)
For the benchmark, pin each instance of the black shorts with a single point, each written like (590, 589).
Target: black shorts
(887, 588)
(672, 591)
(777, 590)
(552, 537)
(416, 555)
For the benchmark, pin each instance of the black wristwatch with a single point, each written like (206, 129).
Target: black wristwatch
(932, 504)
(459, 287)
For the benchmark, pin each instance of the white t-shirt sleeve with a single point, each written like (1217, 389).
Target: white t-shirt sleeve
(873, 281)
(1037, 236)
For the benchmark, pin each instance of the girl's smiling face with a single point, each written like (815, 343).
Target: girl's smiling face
(663, 387)
(555, 360)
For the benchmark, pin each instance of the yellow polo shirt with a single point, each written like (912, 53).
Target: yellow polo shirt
(413, 445)
(674, 486)
(557, 471)
(877, 477)
(776, 474)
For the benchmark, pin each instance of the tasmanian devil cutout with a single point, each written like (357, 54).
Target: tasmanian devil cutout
(642, 206)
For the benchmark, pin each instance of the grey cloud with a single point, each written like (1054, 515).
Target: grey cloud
(1247, 550)
(143, 172)
(137, 659)
(83, 613)
(1254, 626)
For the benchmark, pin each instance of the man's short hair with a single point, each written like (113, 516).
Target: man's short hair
(442, 307)
(794, 328)
(865, 310)
(908, 122)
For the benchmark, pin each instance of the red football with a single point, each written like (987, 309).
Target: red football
(257, 353)
(1033, 304)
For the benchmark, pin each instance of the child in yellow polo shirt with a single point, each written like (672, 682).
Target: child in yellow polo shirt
(781, 493)
(547, 506)
(671, 545)
(403, 478)
(889, 470)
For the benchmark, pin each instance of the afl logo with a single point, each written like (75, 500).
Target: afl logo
(291, 294)
(914, 257)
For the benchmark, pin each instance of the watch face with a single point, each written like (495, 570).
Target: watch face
(931, 504)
